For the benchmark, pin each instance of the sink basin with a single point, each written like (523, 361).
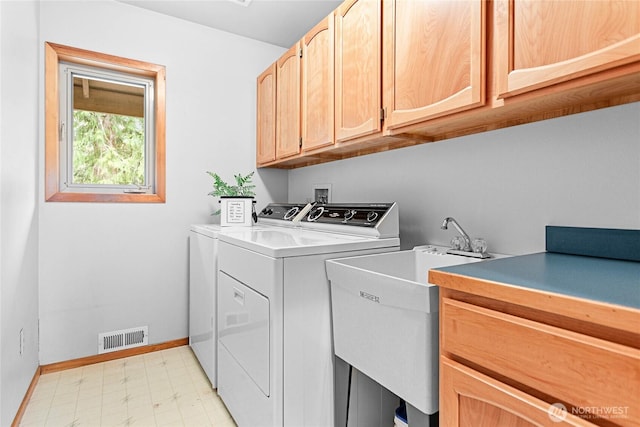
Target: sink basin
(385, 319)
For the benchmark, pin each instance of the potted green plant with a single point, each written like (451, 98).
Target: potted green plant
(236, 200)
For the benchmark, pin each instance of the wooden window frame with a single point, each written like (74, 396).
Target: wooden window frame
(54, 53)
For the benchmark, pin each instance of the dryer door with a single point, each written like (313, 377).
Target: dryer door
(243, 328)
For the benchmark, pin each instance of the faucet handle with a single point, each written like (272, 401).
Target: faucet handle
(457, 242)
(479, 245)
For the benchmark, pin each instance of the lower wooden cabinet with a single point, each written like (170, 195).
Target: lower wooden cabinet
(503, 364)
(471, 399)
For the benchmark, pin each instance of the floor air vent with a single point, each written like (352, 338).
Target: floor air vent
(122, 339)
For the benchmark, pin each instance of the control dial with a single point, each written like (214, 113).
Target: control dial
(315, 213)
(349, 213)
(291, 213)
(267, 211)
(372, 216)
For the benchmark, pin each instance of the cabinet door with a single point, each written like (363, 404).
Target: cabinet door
(541, 357)
(434, 58)
(471, 399)
(358, 67)
(542, 43)
(288, 103)
(266, 116)
(317, 86)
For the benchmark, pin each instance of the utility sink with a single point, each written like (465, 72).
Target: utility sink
(385, 319)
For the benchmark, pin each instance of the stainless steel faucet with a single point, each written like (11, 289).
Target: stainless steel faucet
(465, 236)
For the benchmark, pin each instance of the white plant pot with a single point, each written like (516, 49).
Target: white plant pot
(236, 211)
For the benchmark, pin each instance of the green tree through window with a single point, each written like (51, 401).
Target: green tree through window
(107, 148)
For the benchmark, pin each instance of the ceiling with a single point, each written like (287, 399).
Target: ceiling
(278, 22)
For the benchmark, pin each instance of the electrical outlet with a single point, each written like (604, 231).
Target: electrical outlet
(322, 193)
(21, 341)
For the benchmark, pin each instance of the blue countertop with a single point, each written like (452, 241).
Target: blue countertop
(598, 279)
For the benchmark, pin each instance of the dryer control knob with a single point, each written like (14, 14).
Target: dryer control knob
(291, 213)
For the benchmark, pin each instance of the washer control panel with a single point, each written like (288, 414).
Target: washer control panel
(283, 212)
(353, 214)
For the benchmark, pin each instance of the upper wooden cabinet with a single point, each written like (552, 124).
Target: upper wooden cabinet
(542, 43)
(266, 116)
(358, 69)
(317, 86)
(382, 74)
(288, 103)
(434, 58)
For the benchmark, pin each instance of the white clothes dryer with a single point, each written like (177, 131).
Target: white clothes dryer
(203, 280)
(203, 271)
(275, 354)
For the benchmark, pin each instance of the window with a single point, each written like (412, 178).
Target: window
(104, 127)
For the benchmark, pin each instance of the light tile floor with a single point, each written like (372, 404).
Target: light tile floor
(163, 388)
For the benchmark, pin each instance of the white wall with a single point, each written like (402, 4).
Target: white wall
(18, 202)
(111, 266)
(504, 185)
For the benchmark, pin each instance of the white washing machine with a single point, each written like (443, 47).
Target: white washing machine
(203, 279)
(275, 354)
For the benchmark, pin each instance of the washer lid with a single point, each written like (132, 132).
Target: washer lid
(213, 230)
(279, 242)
